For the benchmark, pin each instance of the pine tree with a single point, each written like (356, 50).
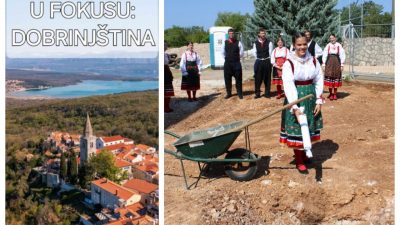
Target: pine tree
(63, 167)
(292, 16)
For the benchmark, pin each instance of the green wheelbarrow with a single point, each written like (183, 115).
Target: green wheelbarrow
(207, 145)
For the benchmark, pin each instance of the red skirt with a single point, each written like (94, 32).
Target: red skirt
(277, 74)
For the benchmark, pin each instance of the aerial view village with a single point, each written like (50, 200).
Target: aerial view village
(132, 200)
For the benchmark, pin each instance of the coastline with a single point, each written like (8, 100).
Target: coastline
(85, 88)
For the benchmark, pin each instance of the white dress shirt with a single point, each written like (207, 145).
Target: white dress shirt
(241, 51)
(254, 49)
(318, 49)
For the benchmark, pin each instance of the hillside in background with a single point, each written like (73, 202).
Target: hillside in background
(133, 115)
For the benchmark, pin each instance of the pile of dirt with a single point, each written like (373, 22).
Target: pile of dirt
(346, 183)
(202, 49)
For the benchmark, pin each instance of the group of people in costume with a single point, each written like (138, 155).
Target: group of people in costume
(301, 70)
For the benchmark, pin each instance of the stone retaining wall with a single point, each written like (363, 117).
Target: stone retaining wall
(372, 51)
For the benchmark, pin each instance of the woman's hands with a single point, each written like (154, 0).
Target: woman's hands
(317, 109)
(297, 112)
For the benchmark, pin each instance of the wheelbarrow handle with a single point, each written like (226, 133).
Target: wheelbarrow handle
(287, 106)
(174, 153)
(172, 134)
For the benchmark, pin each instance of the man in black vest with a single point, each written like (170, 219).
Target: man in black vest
(262, 50)
(233, 51)
(313, 47)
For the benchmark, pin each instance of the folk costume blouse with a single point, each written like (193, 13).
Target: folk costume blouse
(191, 57)
(279, 53)
(304, 70)
(336, 49)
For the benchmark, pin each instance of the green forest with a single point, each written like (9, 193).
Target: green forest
(133, 115)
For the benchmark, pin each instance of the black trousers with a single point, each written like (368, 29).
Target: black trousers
(262, 74)
(233, 69)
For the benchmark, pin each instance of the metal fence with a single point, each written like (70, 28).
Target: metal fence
(369, 51)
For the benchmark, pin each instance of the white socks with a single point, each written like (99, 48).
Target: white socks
(306, 135)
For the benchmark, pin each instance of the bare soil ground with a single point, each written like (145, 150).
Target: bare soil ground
(351, 180)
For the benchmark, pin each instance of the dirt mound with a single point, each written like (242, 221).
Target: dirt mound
(202, 49)
(345, 184)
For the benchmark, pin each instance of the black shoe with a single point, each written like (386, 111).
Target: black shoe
(308, 161)
(228, 96)
(240, 96)
(267, 96)
(257, 96)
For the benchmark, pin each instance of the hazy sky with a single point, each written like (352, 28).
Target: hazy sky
(18, 17)
(192, 13)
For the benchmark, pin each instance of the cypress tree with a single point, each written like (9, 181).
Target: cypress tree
(72, 169)
(292, 16)
(63, 167)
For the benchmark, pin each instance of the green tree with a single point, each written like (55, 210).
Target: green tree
(179, 36)
(103, 166)
(292, 16)
(72, 168)
(63, 166)
(175, 36)
(86, 175)
(232, 19)
(372, 14)
(196, 34)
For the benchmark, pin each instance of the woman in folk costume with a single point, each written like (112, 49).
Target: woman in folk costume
(301, 75)
(278, 57)
(332, 63)
(190, 68)
(168, 78)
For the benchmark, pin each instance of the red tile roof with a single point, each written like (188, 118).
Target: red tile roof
(143, 147)
(121, 163)
(112, 138)
(124, 153)
(111, 187)
(141, 186)
(143, 220)
(148, 167)
(118, 147)
(151, 158)
(131, 208)
(127, 140)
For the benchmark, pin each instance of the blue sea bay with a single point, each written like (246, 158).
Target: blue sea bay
(90, 88)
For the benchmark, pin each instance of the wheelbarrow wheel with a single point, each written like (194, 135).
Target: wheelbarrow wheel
(240, 171)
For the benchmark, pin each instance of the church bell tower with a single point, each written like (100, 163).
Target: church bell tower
(87, 142)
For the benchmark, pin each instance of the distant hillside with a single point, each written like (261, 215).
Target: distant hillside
(34, 78)
(134, 115)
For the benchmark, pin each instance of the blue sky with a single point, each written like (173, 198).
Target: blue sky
(204, 12)
(18, 17)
